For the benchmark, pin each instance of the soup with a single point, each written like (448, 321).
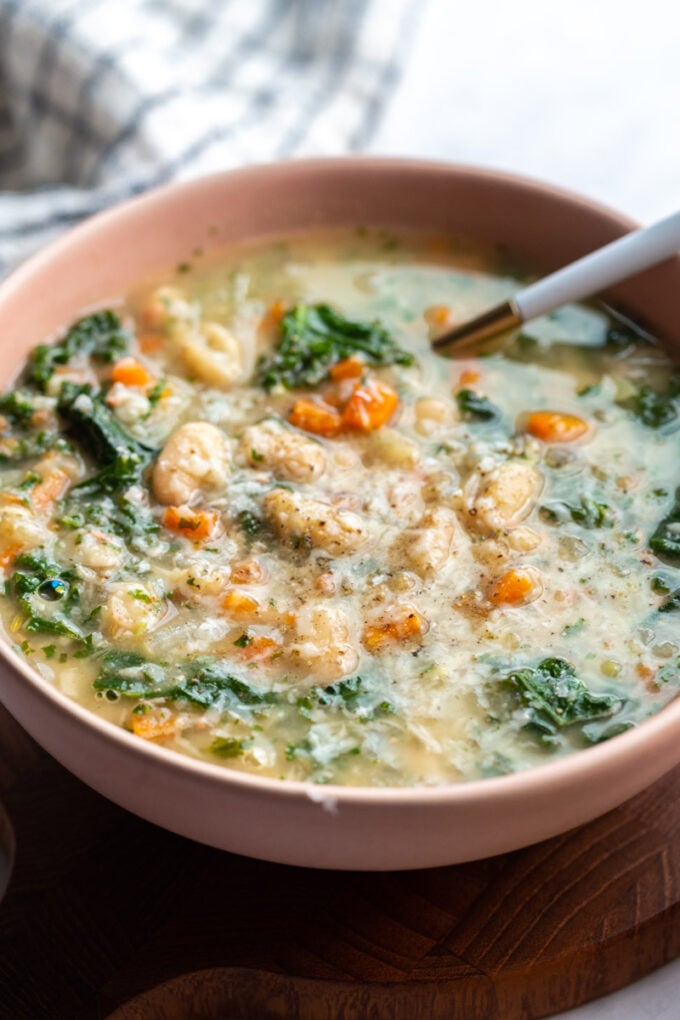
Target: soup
(251, 516)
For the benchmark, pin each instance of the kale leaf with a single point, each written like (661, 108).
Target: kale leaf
(588, 512)
(672, 603)
(654, 409)
(18, 406)
(227, 747)
(665, 541)
(202, 682)
(33, 570)
(28, 438)
(314, 337)
(555, 698)
(120, 457)
(100, 335)
(354, 695)
(475, 407)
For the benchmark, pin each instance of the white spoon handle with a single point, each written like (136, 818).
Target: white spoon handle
(616, 261)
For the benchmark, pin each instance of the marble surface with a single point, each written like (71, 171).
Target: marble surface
(586, 95)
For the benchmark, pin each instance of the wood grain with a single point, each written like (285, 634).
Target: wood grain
(108, 916)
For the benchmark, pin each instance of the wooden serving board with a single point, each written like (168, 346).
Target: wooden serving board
(108, 916)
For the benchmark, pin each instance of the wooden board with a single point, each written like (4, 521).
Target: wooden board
(108, 916)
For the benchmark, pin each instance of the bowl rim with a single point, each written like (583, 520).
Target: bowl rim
(544, 777)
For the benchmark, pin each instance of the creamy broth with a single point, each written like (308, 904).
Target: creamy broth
(390, 568)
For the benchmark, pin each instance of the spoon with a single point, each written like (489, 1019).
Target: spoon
(617, 261)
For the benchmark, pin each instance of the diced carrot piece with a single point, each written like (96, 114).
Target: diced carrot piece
(238, 604)
(259, 648)
(7, 556)
(437, 316)
(315, 416)
(515, 588)
(348, 368)
(554, 427)
(402, 626)
(248, 572)
(131, 372)
(149, 343)
(371, 405)
(272, 317)
(154, 725)
(194, 524)
(468, 378)
(45, 494)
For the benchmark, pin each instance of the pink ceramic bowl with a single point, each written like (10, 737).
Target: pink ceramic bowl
(299, 823)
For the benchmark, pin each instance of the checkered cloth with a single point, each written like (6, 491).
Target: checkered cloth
(101, 99)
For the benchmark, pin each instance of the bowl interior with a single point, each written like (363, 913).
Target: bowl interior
(100, 261)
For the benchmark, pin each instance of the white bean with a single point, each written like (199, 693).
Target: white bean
(194, 461)
(285, 452)
(298, 518)
(504, 497)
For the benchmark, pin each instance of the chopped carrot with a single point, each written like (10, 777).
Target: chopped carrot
(515, 588)
(154, 725)
(371, 405)
(438, 316)
(248, 572)
(272, 317)
(238, 604)
(468, 378)
(194, 524)
(7, 556)
(149, 343)
(554, 427)
(405, 624)
(131, 372)
(45, 494)
(258, 648)
(315, 416)
(348, 368)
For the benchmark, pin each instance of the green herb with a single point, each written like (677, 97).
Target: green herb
(660, 585)
(314, 337)
(28, 440)
(665, 541)
(243, 641)
(556, 698)
(227, 747)
(672, 603)
(475, 407)
(588, 512)
(140, 595)
(15, 449)
(31, 480)
(18, 407)
(49, 651)
(257, 457)
(100, 336)
(669, 673)
(156, 392)
(249, 522)
(573, 628)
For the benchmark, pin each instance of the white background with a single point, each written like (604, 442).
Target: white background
(583, 94)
